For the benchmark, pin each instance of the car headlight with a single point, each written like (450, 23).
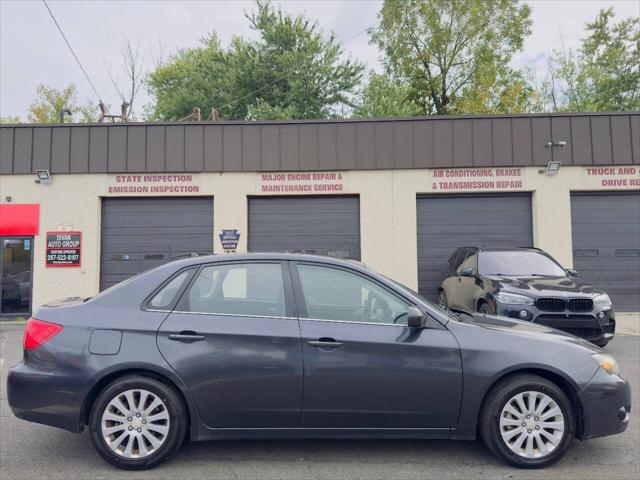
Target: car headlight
(513, 299)
(602, 301)
(607, 363)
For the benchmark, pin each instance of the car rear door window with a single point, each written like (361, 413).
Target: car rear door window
(166, 296)
(336, 294)
(254, 289)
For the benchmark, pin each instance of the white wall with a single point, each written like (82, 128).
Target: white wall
(387, 213)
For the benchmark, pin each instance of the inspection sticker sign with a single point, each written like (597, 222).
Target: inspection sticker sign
(229, 240)
(64, 249)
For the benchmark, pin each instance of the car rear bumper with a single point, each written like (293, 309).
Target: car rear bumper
(45, 396)
(606, 405)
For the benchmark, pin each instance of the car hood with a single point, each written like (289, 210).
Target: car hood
(544, 286)
(512, 326)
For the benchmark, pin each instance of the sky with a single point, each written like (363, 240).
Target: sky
(33, 52)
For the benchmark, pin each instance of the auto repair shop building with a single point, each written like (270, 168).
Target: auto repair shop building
(400, 195)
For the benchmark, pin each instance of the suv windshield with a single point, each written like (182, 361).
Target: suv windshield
(518, 264)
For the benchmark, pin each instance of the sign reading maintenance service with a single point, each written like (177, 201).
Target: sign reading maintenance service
(64, 249)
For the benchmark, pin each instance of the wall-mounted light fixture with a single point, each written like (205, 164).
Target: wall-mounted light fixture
(553, 167)
(44, 177)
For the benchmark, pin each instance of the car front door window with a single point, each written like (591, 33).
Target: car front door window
(238, 289)
(335, 294)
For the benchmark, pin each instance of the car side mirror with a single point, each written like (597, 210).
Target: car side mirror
(416, 318)
(468, 272)
(572, 272)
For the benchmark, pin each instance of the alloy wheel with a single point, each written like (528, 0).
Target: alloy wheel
(532, 424)
(135, 423)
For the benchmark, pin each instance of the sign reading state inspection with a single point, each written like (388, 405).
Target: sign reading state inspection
(64, 249)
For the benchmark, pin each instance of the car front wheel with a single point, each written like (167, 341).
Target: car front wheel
(137, 422)
(527, 421)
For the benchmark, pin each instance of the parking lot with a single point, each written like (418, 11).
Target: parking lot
(30, 451)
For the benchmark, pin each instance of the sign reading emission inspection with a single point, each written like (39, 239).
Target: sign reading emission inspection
(64, 249)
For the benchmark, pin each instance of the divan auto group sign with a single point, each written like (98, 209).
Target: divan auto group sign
(64, 249)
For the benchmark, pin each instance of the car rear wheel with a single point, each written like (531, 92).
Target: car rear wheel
(487, 308)
(527, 421)
(137, 422)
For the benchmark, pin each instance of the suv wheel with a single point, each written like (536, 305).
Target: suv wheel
(442, 299)
(487, 308)
(137, 422)
(527, 421)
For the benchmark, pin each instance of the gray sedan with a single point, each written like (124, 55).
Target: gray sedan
(299, 346)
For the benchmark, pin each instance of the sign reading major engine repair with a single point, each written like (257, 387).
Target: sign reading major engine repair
(64, 249)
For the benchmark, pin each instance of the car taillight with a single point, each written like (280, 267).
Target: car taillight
(38, 332)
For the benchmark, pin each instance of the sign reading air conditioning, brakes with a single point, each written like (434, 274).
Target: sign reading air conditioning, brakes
(477, 179)
(64, 249)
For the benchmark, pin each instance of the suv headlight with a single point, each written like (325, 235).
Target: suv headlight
(607, 363)
(513, 299)
(602, 301)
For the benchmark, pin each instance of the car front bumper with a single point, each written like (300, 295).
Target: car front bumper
(46, 396)
(586, 325)
(606, 405)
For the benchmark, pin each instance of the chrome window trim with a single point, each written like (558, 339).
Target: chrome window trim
(354, 322)
(235, 315)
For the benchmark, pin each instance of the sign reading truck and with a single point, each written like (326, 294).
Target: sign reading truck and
(64, 249)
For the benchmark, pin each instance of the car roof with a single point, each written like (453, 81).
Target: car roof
(502, 249)
(301, 257)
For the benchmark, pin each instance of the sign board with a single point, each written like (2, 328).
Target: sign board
(153, 183)
(229, 240)
(477, 179)
(302, 182)
(64, 249)
(611, 177)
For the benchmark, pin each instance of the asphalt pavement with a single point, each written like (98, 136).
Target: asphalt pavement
(30, 451)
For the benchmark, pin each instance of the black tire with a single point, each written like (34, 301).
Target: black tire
(442, 299)
(602, 343)
(178, 421)
(496, 399)
(487, 308)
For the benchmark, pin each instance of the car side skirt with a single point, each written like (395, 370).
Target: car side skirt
(204, 433)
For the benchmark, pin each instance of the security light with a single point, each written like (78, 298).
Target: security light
(44, 177)
(553, 167)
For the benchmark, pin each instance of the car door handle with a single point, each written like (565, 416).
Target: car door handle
(324, 343)
(186, 336)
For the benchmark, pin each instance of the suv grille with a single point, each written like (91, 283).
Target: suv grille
(550, 304)
(580, 305)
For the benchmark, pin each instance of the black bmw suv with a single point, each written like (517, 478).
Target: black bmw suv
(527, 284)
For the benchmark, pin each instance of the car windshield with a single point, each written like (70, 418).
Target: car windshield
(518, 264)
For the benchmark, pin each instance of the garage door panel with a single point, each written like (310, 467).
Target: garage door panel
(606, 244)
(446, 223)
(322, 225)
(141, 233)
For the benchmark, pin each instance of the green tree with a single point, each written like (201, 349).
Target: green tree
(291, 71)
(454, 54)
(46, 108)
(383, 96)
(603, 74)
(9, 120)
